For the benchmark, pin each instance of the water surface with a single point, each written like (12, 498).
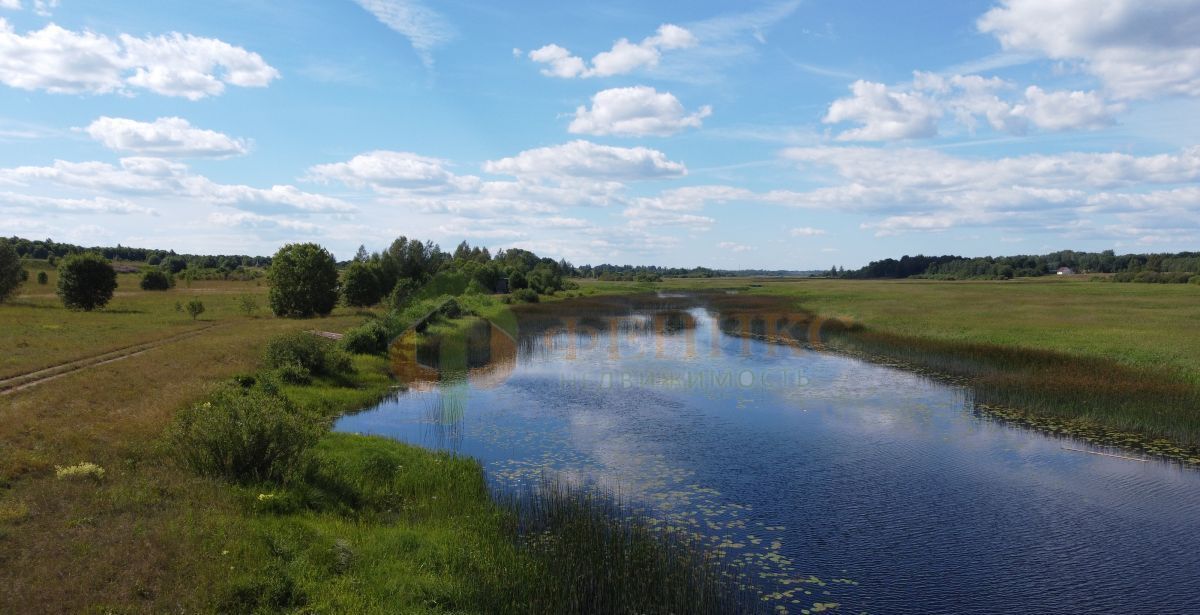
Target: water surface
(826, 478)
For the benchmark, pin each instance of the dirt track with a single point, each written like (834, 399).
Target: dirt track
(12, 384)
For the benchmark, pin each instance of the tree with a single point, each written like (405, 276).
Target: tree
(195, 307)
(10, 270)
(517, 281)
(304, 281)
(360, 285)
(43, 278)
(156, 279)
(86, 281)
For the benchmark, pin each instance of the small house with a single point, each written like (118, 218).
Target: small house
(1065, 271)
(502, 286)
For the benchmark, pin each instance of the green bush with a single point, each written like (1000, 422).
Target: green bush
(43, 278)
(157, 279)
(402, 294)
(307, 352)
(451, 309)
(86, 281)
(244, 435)
(528, 295)
(361, 285)
(195, 308)
(370, 338)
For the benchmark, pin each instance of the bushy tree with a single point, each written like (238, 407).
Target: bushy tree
(360, 285)
(86, 281)
(43, 278)
(156, 279)
(10, 271)
(195, 308)
(517, 281)
(304, 281)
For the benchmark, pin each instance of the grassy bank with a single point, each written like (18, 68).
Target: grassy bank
(1108, 362)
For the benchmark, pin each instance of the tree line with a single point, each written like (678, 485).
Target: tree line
(949, 267)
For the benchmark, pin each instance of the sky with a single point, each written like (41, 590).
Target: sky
(778, 135)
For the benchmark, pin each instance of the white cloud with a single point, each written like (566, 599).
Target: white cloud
(624, 57)
(44, 7)
(244, 219)
(62, 61)
(165, 136)
(914, 110)
(142, 176)
(424, 28)
(41, 204)
(926, 190)
(885, 114)
(383, 169)
(735, 247)
(806, 231)
(14, 5)
(1137, 49)
(587, 160)
(635, 112)
(1065, 110)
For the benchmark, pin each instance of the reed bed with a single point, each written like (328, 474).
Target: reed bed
(591, 552)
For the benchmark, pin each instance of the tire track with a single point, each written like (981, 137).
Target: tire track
(20, 382)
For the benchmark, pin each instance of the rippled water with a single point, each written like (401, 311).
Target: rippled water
(829, 479)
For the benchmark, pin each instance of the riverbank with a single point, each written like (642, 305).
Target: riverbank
(1105, 362)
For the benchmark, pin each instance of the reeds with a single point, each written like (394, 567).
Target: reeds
(593, 553)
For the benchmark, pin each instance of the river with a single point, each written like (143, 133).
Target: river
(829, 479)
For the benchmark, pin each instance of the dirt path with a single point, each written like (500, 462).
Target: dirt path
(12, 384)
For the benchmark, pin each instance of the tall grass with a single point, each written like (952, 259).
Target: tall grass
(592, 553)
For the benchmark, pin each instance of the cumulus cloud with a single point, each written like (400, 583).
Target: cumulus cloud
(624, 57)
(165, 136)
(1137, 49)
(635, 112)
(927, 190)
(14, 5)
(1065, 110)
(63, 61)
(147, 176)
(587, 160)
(383, 169)
(914, 110)
(885, 114)
(424, 28)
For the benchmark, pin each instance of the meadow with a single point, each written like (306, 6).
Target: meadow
(100, 513)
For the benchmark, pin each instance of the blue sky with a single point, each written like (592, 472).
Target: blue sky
(787, 134)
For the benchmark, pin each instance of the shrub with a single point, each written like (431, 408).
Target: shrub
(1194, 280)
(157, 279)
(371, 338)
(42, 278)
(528, 295)
(451, 309)
(244, 435)
(248, 305)
(86, 281)
(304, 281)
(306, 352)
(477, 288)
(292, 374)
(195, 307)
(10, 270)
(403, 294)
(517, 281)
(360, 285)
(86, 469)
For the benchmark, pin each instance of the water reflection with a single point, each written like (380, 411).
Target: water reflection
(828, 479)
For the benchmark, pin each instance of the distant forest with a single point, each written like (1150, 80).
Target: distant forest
(1178, 267)
(176, 263)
